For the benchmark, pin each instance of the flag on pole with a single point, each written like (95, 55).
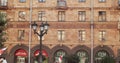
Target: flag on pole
(60, 59)
(2, 50)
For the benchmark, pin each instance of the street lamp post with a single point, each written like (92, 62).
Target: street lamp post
(43, 31)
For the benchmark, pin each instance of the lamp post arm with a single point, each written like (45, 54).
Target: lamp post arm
(36, 33)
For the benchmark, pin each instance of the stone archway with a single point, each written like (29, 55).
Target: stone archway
(103, 51)
(83, 52)
(14, 49)
(59, 49)
(44, 49)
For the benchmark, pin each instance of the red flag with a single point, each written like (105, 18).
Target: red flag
(60, 58)
(2, 50)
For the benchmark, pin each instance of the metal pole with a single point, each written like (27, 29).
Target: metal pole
(30, 33)
(40, 53)
(92, 30)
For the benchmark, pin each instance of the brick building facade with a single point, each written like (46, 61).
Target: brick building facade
(82, 27)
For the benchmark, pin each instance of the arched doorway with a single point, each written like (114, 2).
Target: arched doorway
(83, 56)
(44, 56)
(20, 56)
(83, 52)
(100, 55)
(59, 56)
(101, 52)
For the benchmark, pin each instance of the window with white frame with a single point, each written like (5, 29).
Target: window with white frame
(61, 16)
(21, 34)
(41, 0)
(82, 34)
(22, 1)
(82, 0)
(81, 15)
(61, 35)
(102, 35)
(102, 0)
(3, 2)
(102, 15)
(22, 16)
(61, 3)
(41, 15)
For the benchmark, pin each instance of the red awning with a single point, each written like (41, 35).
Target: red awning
(20, 52)
(44, 53)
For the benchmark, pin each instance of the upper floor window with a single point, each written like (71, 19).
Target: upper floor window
(82, 0)
(102, 0)
(41, 15)
(61, 2)
(21, 34)
(41, 0)
(61, 35)
(102, 35)
(22, 1)
(61, 16)
(22, 16)
(102, 16)
(3, 2)
(81, 15)
(82, 34)
(119, 2)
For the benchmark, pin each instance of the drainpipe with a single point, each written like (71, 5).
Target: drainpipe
(92, 28)
(30, 33)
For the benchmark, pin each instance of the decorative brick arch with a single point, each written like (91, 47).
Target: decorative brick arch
(59, 47)
(82, 47)
(12, 51)
(105, 48)
(47, 49)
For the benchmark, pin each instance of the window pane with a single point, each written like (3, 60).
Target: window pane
(61, 16)
(3, 3)
(102, 16)
(41, 0)
(83, 56)
(61, 3)
(82, 34)
(41, 16)
(21, 34)
(81, 0)
(59, 55)
(22, 0)
(102, 0)
(81, 15)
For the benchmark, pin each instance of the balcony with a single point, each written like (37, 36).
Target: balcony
(61, 4)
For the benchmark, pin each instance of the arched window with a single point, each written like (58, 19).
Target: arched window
(20, 56)
(59, 56)
(83, 56)
(100, 55)
(44, 56)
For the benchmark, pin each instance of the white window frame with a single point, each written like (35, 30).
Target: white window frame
(61, 35)
(82, 35)
(81, 15)
(61, 16)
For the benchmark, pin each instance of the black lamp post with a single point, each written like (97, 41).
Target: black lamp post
(43, 31)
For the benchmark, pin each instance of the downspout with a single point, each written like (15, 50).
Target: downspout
(92, 29)
(30, 33)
